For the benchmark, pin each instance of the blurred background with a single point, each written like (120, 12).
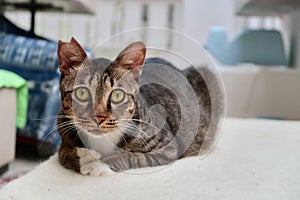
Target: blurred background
(255, 45)
(94, 21)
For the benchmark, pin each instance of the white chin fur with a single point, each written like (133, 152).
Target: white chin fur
(103, 144)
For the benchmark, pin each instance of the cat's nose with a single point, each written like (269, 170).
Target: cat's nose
(100, 119)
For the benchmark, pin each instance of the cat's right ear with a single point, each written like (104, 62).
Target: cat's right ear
(70, 55)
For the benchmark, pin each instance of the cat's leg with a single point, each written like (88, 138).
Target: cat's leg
(83, 160)
(162, 149)
(90, 164)
(124, 160)
(68, 157)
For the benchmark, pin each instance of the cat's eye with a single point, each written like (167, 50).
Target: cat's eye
(82, 94)
(117, 96)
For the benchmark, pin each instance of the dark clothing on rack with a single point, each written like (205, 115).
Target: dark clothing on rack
(8, 27)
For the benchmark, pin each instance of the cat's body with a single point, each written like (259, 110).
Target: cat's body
(134, 131)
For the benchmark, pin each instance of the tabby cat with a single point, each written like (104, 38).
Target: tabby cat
(106, 120)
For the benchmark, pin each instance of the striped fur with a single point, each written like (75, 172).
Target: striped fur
(127, 126)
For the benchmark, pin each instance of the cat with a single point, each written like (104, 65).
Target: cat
(107, 123)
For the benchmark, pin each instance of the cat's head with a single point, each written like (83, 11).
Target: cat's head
(99, 95)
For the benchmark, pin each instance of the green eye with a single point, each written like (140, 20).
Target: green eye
(117, 96)
(82, 94)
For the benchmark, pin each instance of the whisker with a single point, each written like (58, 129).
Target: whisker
(51, 117)
(122, 136)
(136, 132)
(135, 128)
(65, 126)
(138, 120)
(147, 123)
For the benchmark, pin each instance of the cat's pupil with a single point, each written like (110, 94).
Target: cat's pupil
(82, 94)
(117, 96)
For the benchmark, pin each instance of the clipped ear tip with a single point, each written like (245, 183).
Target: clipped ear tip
(60, 43)
(70, 54)
(73, 40)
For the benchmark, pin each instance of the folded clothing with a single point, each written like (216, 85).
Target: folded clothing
(12, 80)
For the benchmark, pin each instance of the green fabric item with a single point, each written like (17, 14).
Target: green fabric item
(12, 80)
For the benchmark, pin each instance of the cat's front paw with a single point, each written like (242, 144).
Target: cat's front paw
(96, 168)
(86, 155)
(90, 164)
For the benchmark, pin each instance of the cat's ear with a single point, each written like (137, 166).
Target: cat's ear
(70, 55)
(132, 58)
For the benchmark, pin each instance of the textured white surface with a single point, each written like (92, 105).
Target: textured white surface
(254, 159)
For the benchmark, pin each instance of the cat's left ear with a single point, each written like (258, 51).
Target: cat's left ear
(70, 55)
(132, 58)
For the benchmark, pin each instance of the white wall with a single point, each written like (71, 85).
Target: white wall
(200, 15)
(191, 17)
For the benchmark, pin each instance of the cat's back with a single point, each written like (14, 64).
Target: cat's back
(163, 83)
(158, 82)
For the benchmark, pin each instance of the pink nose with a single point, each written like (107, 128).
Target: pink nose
(100, 119)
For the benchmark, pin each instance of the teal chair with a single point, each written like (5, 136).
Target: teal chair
(262, 47)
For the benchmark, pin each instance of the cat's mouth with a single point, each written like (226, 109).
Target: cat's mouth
(104, 129)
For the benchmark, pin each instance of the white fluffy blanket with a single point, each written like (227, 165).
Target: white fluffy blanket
(254, 159)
